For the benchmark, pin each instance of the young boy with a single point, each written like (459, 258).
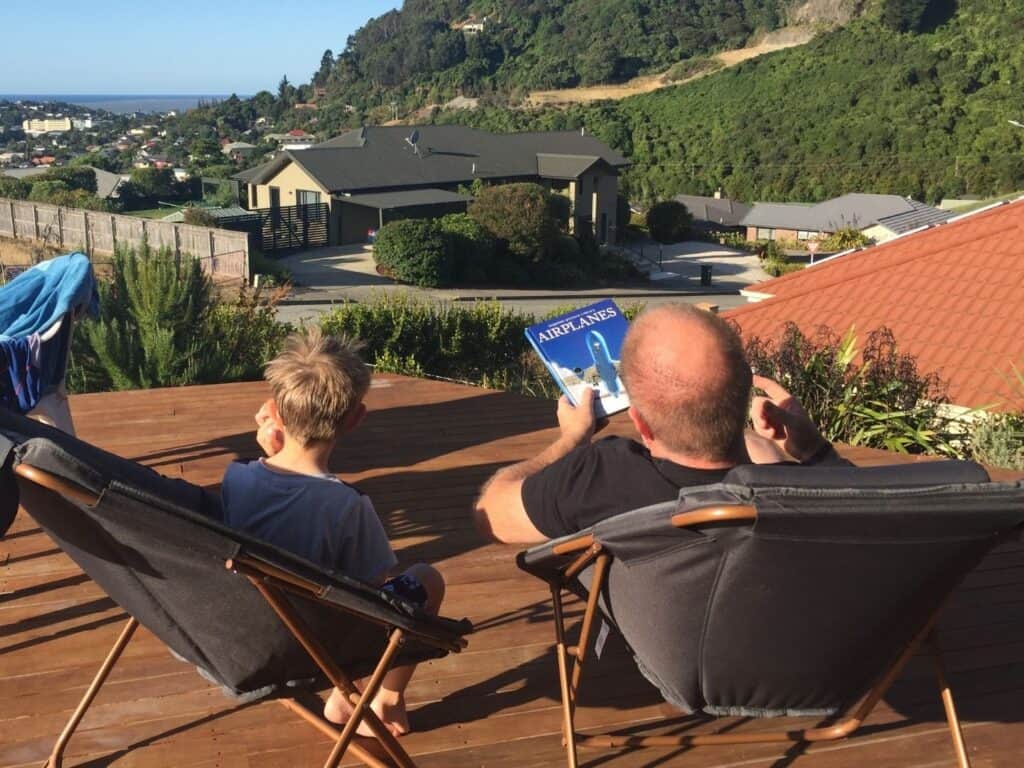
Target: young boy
(291, 499)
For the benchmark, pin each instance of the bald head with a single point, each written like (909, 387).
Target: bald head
(688, 379)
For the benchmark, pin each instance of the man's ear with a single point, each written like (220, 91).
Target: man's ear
(641, 426)
(353, 418)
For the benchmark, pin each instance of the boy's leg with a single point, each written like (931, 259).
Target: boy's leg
(389, 703)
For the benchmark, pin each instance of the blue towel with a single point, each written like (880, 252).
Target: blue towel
(29, 305)
(42, 295)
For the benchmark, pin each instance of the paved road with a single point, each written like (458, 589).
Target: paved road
(330, 276)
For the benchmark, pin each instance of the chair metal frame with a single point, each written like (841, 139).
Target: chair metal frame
(571, 658)
(274, 584)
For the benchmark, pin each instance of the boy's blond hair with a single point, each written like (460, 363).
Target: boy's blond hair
(317, 380)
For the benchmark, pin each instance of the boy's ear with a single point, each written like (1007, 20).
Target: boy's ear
(353, 418)
(274, 413)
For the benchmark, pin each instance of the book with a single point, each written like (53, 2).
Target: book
(582, 349)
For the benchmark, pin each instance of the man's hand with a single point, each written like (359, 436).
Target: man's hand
(578, 422)
(779, 417)
(269, 431)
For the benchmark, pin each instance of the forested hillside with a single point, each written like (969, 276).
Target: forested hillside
(421, 54)
(923, 112)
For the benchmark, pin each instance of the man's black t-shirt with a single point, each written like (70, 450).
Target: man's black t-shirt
(604, 479)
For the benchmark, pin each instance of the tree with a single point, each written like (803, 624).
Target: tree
(286, 92)
(519, 214)
(904, 15)
(669, 221)
(326, 65)
(76, 177)
(153, 183)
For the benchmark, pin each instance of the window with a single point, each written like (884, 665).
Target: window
(805, 234)
(305, 197)
(765, 233)
(254, 201)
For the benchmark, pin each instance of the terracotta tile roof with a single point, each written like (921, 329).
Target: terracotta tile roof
(953, 296)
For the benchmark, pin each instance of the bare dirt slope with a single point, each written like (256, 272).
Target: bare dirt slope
(775, 41)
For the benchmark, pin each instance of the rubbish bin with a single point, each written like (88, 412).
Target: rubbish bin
(705, 274)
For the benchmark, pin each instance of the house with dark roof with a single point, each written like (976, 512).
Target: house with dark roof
(715, 214)
(952, 294)
(371, 175)
(879, 217)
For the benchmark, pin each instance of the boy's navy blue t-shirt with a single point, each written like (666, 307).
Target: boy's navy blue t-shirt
(319, 518)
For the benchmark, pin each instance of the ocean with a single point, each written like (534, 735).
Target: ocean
(121, 104)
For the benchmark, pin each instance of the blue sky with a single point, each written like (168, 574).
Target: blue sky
(181, 47)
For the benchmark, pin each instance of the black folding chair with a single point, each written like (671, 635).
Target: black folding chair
(251, 617)
(782, 591)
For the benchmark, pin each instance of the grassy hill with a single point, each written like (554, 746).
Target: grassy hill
(866, 107)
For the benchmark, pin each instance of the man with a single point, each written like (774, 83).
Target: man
(690, 386)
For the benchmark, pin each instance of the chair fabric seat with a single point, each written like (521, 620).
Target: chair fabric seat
(157, 547)
(798, 612)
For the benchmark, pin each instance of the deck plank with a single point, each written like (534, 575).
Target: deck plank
(421, 455)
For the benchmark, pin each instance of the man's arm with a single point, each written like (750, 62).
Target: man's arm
(499, 513)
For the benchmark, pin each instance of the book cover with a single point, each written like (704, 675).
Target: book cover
(582, 349)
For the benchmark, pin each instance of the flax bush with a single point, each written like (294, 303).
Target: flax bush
(880, 401)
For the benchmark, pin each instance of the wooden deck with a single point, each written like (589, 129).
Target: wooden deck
(422, 455)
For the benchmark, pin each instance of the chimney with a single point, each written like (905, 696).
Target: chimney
(718, 194)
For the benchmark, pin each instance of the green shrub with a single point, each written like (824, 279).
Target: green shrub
(623, 215)
(998, 440)
(44, 191)
(415, 251)
(881, 402)
(669, 221)
(458, 341)
(471, 247)
(14, 189)
(160, 325)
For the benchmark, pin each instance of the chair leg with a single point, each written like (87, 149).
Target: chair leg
(362, 710)
(56, 759)
(955, 731)
(308, 640)
(568, 710)
(331, 732)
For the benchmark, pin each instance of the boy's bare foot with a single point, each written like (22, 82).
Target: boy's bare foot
(389, 706)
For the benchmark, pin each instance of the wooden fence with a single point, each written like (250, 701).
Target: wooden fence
(221, 252)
